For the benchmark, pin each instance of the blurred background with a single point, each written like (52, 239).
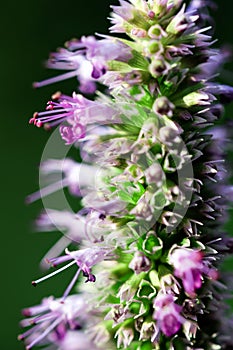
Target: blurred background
(29, 31)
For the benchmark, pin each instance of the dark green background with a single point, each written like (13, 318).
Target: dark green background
(29, 31)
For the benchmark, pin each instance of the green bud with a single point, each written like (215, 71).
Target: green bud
(154, 47)
(195, 98)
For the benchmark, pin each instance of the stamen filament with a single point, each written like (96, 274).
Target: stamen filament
(70, 286)
(28, 332)
(34, 283)
(51, 111)
(43, 318)
(56, 250)
(46, 191)
(56, 79)
(43, 335)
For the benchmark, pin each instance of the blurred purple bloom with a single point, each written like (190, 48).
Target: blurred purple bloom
(52, 318)
(225, 92)
(188, 267)
(167, 314)
(75, 176)
(76, 340)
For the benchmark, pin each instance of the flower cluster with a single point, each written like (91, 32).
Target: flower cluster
(151, 182)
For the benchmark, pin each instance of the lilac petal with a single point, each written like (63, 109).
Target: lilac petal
(170, 325)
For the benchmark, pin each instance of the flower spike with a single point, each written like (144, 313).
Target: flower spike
(151, 185)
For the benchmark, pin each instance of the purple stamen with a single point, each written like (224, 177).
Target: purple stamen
(43, 335)
(70, 286)
(55, 79)
(29, 332)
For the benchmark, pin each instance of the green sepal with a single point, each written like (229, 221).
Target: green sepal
(135, 280)
(119, 66)
(134, 115)
(154, 278)
(152, 245)
(138, 61)
(177, 99)
(185, 242)
(145, 346)
(110, 299)
(139, 345)
(163, 270)
(132, 196)
(147, 100)
(146, 290)
(159, 199)
(134, 308)
(134, 45)
(121, 271)
(139, 20)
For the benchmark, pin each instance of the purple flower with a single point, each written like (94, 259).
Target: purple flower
(75, 176)
(140, 263)
(188, 267)
(225, 92)
(115, 80)
(71, 226)
(52, 319)
(127, 12)
(71, 134)
(121, 13)
(118, 314)
(98, 52)
(103, 205)
(182, 21)
(77, 111)
(169, 284)
(216, 59)
(85, 259)
(77, 66)
(163, 106)
(200, 4)
(167, 314)
(87, 59)
(74, 227)
(178, 50)
(62, 108)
